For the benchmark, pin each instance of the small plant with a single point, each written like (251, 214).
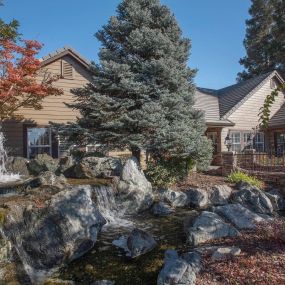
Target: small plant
(166, 172)
(238, 176)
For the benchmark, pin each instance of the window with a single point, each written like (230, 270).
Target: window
(236, 141)
(246, 140)
(38, 141)
(66, 70)
(213, 136)
(259, 142)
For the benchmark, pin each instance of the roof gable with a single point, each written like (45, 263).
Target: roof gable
(233, 96)
(59, 53)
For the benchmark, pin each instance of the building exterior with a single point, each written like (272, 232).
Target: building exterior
(33, 135)
(229, 112)
(234, 112)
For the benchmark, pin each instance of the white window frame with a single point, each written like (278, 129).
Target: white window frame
(262, 142)
(39, 146)
(234, 144)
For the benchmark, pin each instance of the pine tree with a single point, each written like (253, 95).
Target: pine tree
(142, 92)
(264, 41)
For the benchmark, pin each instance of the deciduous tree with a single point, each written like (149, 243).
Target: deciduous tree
(22, 82)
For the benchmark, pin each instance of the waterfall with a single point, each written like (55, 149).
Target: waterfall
(108, 207)
(4, 175)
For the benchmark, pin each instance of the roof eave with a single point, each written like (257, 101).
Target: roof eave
(273, 73)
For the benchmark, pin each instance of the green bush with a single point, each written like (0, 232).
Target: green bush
(164, 173)
(238, 176)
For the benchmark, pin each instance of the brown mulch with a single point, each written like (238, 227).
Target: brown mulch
(202, 180)
(262, 261)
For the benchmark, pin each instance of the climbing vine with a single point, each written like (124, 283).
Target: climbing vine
(265, 110)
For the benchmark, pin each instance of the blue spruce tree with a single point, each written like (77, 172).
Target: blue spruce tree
(142, 93)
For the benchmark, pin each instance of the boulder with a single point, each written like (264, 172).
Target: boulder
(64, 164)
(95, 167)
(46, 238)
(254, 199)
(42, 163)
(208, 226)
(197, 198)
(174, 198)
(276, 200)
(179, 270)
(137, 243)
(220, 194)
(48, 178)
(225, 253)
(18, 165)
(238, 215)
(134, 190)
(161, 209)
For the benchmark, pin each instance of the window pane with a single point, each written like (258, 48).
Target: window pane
(34, 151)
(38, 136)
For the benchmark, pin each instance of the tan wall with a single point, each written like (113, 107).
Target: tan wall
(246, 116)
(53, 110)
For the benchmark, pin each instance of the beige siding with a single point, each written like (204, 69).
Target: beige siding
(209, 104)
(246, 116)
(54, 108)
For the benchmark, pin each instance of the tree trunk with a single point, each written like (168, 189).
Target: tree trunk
(136, 152)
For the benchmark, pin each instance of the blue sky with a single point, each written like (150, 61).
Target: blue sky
(216, 28)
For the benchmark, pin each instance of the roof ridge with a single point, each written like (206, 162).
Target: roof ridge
(65, 48)
(265, 75)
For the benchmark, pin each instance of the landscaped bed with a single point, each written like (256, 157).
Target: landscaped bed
(262, 259)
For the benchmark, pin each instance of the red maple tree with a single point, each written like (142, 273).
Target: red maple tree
(23, 83)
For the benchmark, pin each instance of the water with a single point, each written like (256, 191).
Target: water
(4, 175)
(114, 215)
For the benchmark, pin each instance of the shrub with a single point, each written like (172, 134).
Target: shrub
(166, 172)
(238, 176)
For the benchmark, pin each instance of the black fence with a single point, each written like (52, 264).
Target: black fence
(261, 162)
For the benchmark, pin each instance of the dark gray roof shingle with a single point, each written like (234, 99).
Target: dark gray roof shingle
(230, 96)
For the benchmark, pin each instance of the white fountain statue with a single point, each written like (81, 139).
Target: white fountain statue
(4, 175)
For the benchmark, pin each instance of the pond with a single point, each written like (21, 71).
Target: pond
(106, 261)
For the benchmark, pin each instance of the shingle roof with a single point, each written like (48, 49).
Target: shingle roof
(232, 95)
(278, 119)
(219, 104)
(62, 52)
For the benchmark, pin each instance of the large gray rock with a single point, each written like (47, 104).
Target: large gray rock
(276, 200)
(161, 209)
(64, 164)
(208, 226)
(42, 163)
(48, 178)
(220, 194)
(46, 238)
(198, 197)
(137, 243)
(239, 216)
(95, 167)
(134, 190)
(255, 199)
(179, 270)
(174, 198)
(18, 165)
